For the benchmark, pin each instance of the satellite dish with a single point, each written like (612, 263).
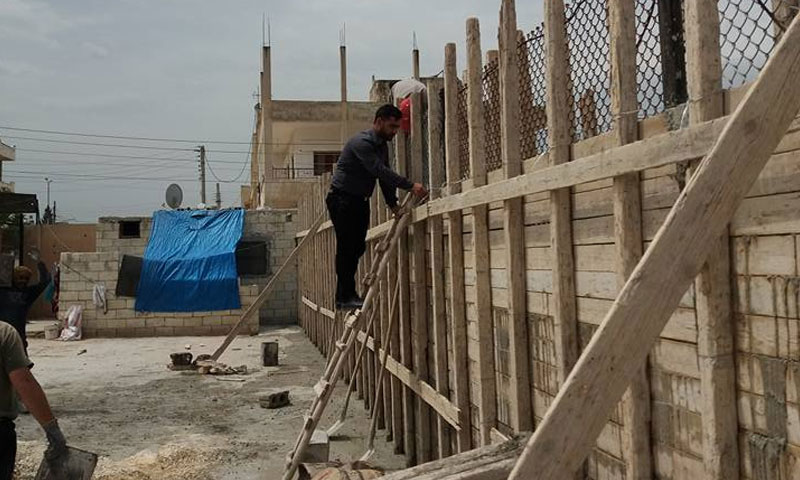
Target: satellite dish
(174, 196)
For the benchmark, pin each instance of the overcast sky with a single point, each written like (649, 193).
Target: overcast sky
(187, 69)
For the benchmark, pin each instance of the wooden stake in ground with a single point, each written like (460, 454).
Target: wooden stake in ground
(264, 295)
(669, 266)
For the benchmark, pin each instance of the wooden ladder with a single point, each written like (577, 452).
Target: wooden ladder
(324, 387)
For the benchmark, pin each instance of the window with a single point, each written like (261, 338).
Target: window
(252, 258)
(130, 229)
(324, 162)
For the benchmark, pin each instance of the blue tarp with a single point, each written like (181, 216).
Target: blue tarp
(190, 262)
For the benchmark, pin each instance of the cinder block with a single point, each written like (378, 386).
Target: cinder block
(173, 322)
(318, 450)
(144, 332)
(212, 320)
(155, 322)
(165, 331)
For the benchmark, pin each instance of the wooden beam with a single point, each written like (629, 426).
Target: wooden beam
(480, 236)
(492, 462)
(514, 222)
(559, 139)
(669, 266)
(404, 277)
(424, 391)
(435, 167)
(420, 288)
(716, 326)
(628, 225)
(455, 252)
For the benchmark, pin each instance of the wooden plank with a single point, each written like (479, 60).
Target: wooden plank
(480, 236)
(560, 136)
(262, 297)
(644, 305)
(715, 340)
(455, 252)
(437, 260)
(424, 391)
(420, 310)
(628, 225)
(513, 221)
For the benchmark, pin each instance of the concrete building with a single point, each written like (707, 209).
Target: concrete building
(267, 240)
(297, 140)
(7, 154)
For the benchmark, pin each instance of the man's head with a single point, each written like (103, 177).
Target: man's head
(22, 276)
(387, 121)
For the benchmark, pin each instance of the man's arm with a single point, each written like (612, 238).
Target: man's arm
(32, 395)
(366, 154)
(389, 195)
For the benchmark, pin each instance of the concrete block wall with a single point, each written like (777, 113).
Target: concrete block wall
(108, 237)
(83, 270)
(278, 229)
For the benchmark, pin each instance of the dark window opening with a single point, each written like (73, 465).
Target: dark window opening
(324, 162)
(130, 229)
(252, 258)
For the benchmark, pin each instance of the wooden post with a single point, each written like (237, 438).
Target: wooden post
(420, 312)
(681, 246)
(716, 327)
(514, 222)
(784, 12)
(480, 235)
(435, 164)
(455, 251)
(404, 277)
(559, 131)
(628, 224)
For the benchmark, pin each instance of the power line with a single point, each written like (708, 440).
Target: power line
(88, 176)
(144, 139)
(70, 142)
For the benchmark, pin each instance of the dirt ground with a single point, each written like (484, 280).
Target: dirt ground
(116, 397)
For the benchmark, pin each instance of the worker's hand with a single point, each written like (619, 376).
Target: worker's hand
(419, 190)
(34, 254)
(56, 443)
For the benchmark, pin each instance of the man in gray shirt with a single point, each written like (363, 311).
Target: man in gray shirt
(364, 159)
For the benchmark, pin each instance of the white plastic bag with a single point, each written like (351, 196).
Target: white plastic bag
(72, 324)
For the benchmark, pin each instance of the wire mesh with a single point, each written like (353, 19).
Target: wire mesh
(747, 36)
(533, 94)
(587, 36)
(463, 133)
(490, 82)
(650, 87)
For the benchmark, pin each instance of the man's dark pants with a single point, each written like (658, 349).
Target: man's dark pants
(350, 217)
(8, 448)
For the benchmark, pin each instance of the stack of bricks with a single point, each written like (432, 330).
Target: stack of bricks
(81, 271)
(278, 229)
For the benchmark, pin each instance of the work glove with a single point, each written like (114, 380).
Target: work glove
(56, 444)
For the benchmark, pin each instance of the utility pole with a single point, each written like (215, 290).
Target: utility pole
(219, 198)
(48, 181)
(202, 169)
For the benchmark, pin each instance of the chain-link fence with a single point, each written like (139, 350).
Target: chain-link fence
(463, 133)
(533, 94)
(748, 32)
(747, 36)
(590, 68)
(490, 81)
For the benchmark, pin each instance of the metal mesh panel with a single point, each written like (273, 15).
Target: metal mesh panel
(747, 36)
(650, 91)
(490, 81)
(587, 35)
(533, 94)
(463, 133)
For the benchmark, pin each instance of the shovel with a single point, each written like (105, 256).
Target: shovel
(76, 465)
